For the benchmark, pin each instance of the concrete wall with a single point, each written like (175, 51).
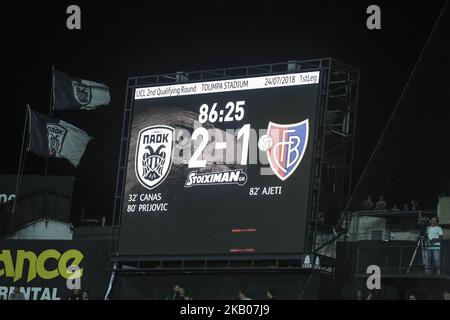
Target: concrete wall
(45, 230)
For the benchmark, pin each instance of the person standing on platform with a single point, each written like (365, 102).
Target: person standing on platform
(183, 293)
(381, 204)
(434, 235)
(16, 294)
(359, 295)
(175, 293)
(76, 294)
(368, 204)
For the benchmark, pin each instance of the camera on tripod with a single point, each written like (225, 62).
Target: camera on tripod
(423, 223)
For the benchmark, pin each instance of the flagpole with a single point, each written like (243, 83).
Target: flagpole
(50, 108)
(52, 93)
(20, 170)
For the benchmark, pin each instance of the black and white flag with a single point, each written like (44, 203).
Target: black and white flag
(54, 138)
(70, 93)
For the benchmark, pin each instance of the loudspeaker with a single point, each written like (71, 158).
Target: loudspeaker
(443, 212)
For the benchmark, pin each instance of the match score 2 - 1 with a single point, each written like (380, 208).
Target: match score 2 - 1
(202, 135)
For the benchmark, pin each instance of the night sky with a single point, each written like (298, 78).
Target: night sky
(122, 39)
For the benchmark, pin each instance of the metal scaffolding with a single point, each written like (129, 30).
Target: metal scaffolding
(333, 141)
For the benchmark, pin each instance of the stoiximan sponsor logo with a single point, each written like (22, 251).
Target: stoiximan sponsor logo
(216, 178)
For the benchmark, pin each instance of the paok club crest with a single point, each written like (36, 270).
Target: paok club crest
(82, 93)
(287, 147)
(153, 158)
(56, 135)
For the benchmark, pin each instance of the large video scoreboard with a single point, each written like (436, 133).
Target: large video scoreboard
(220, 167)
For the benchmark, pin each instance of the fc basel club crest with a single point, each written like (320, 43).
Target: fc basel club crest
(154, 155)
(287, 147)
(82, 93)
(56, 135)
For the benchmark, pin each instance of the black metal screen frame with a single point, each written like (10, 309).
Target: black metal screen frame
(337, 92)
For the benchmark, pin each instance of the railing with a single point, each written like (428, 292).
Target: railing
(400, 258)
(210, 264)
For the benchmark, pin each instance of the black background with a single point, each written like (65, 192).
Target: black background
(121, 39)
(200, 218)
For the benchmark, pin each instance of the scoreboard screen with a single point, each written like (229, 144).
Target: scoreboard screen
(220, 167)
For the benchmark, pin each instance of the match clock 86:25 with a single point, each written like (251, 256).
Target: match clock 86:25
(233, 111)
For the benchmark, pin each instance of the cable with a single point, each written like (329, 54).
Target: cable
(396, 108)
(387, 126)
(374, 152)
